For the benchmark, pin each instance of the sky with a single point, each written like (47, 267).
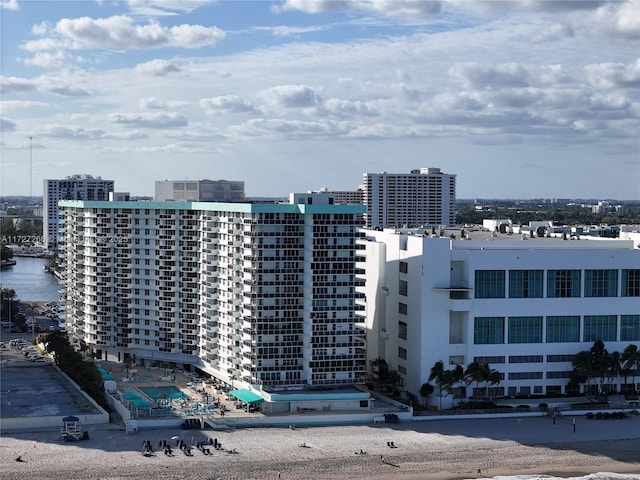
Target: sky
(518, 98)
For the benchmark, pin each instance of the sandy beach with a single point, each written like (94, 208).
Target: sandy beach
(452, 449)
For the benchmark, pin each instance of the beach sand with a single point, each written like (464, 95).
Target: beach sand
(436, 450)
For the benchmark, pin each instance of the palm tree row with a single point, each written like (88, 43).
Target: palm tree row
(448, 380)
(598, 367)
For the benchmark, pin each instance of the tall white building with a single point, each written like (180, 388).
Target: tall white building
(199, 191)
(262, 295)
(426, 196)
(74, 187)
(523, 305)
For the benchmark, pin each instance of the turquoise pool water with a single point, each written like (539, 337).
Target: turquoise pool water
(171, 392)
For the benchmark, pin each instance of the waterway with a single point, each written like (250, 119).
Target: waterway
(30, 281)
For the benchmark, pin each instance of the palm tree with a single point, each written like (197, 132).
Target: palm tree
(458, 377)
(582, 368)
(437, 372)
(614, 368)
(380, 368)
(476, 372)
(494, 378)
(631, 359)
(426, 389)
(600, 362)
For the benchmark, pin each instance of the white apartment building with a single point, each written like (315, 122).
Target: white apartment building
(259, 295)
(199, 191)
(74, 187)
(523, 305)
(426, 196)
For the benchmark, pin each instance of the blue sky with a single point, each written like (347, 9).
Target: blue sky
(519, 99)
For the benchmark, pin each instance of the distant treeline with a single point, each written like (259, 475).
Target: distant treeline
(522, 214)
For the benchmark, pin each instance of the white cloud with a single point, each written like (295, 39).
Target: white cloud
(290, 96)
(121, 32)
(346, 108)
(9, 5)
(226, 104)
(614, 75)
(620, 19)
(16, 84)
(150, 120)
(157, 67)
(41, 29)
(45, 44)
(410, 9)
(530, 5)
(16, 105)
(152, 103)
(56, 59)
(165, 7)
(72, 132)
(7, 125)
(484, 76)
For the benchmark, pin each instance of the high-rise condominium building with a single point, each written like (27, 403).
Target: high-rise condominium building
(256, 294)
(74, 187)
(423, 197)
(525, 306)
(199, 191)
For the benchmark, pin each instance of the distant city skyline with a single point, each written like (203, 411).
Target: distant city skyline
(519, 99)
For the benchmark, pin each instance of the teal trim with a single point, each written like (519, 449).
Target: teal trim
(246, 396)
(218, 207)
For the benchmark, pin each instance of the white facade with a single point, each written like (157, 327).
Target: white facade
(199, 191)
(259, 295)
(74, 187)
(423, 197)
(424, 303)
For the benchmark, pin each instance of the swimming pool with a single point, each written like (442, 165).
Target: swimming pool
(168, 392)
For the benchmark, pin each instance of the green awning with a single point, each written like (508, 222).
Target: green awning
(246, 396)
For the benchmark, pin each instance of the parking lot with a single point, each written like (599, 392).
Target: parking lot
(32, 387)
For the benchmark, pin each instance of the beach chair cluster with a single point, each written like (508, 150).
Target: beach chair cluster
(201, 410)
(204, 446)
(191, 424)
(147, 448)
(391, 445)
(391, 418)
(605, 415)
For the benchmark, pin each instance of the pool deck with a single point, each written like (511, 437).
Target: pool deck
(200, 395)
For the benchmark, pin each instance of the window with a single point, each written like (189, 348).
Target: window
(404, 267)
(402, 287)
(600, 283)
(490, 360)
(563, 329)
(560, 358)
(525, 376)
(599, 327)
(402, 353)
(629, 328)
(488, 330)
(562, 374)
(402, 308)
(402, 330)
(525, 283)
(525, 329)
(631, 283)
(525, 358)
(489, 284)
(563, 283)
